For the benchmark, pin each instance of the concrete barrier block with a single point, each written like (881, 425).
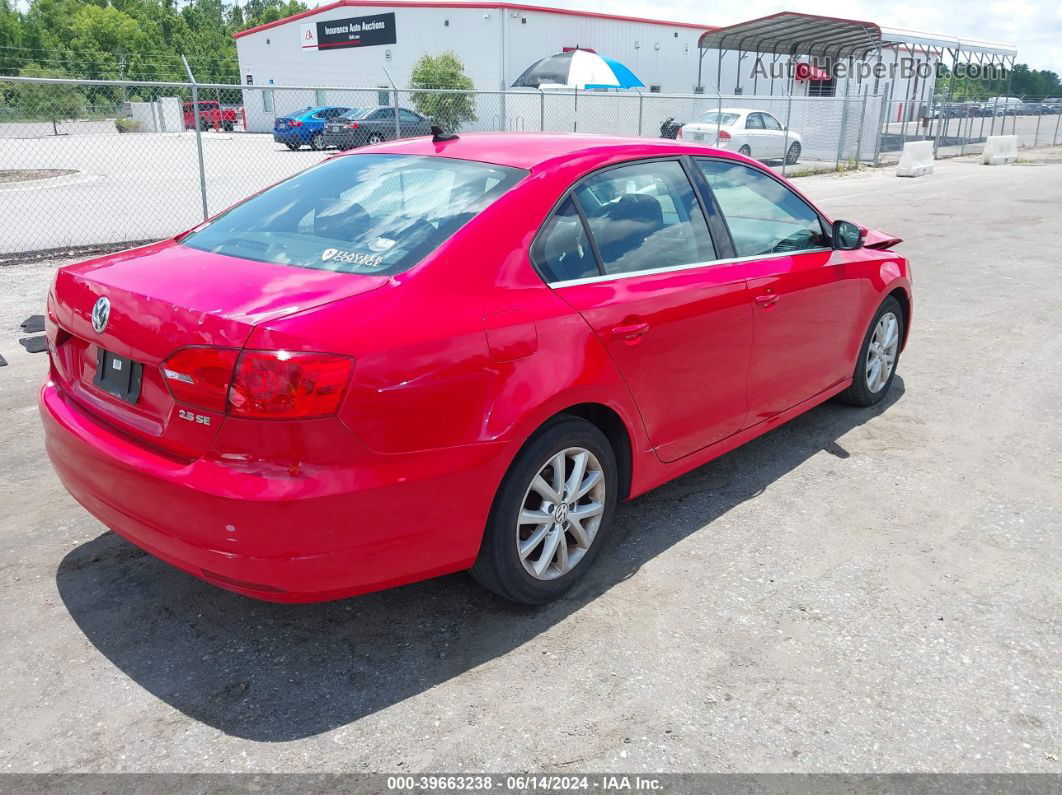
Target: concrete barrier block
(1000, 149)
(916, 160)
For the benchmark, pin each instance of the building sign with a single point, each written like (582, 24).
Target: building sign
(354, 32)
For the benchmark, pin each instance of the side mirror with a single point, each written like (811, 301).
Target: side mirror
(848, 236)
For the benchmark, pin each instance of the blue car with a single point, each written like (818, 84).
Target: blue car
(305, 127)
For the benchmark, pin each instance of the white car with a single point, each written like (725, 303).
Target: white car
(753, 133)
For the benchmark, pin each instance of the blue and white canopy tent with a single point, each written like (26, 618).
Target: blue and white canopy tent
(575, 68)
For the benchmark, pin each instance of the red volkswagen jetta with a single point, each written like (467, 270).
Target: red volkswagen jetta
(434, 355)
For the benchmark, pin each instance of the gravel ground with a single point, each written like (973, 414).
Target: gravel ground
(860, 590)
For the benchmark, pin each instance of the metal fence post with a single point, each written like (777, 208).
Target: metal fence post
(788, 118)
(1054, 138)
(882, 129)
(862, 121)
(1036, 135)
(198, 136)
(398, 128)
(841, 135)
(541, 110)
(641, 100)
(719, 118)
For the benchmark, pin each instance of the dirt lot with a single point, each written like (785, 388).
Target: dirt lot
(861, 590)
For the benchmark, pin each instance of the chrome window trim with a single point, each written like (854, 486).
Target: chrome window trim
(607, 277)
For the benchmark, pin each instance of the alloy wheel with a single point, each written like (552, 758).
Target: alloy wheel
(881, 353)
(560, 513)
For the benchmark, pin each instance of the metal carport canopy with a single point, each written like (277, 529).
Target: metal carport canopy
(790, 33)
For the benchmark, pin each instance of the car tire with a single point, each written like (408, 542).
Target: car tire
(317, 142)
(793, 154)
(375, 138)
(292, 147)
(564, 551)
(745, 150)
(881, 343)
(228, 126)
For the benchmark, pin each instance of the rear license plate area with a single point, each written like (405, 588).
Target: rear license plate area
(118, 375)
(698, 136)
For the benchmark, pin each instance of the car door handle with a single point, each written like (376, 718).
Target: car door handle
(630, 332)
(770, 299)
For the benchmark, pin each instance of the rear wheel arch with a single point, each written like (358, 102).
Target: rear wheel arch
(612, 425)
(605, 419)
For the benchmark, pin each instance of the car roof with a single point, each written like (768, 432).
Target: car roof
(316, 109)
(528, 150)
(738, 111)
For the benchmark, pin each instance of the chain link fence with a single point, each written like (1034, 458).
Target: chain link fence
(961, 126)
(87, 163)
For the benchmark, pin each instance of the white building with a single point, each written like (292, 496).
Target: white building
(497, 42)
(367, 45)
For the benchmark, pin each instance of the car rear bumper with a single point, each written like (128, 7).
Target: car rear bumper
(289, 138)
(279, 536)
(341, 140)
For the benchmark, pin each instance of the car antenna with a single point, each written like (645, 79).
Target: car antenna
(438, 136)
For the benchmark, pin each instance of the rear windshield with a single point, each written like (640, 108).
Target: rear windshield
(712, 117)
(378, 214)
(357, 113)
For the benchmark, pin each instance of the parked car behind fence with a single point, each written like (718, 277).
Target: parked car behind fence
(305, 127)
(373, 125)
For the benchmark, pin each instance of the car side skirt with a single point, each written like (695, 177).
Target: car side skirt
(652, 473)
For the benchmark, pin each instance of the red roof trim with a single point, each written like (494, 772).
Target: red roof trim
(507, 6)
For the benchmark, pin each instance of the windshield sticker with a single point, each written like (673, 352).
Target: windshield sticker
(352, 258)
(382, 244)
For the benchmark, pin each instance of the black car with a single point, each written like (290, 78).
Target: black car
(364, 126)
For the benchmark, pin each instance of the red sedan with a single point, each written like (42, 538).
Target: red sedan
(436, 355)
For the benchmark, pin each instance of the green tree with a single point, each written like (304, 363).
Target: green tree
(449, 111)
(52, 101)
(259, 12)
(11, 56)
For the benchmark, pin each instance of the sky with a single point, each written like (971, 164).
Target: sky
(1033, 26)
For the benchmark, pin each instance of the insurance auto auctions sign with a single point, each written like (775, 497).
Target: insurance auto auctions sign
(354, 32)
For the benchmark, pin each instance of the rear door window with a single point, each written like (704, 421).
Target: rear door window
(645, 216)
(562, 252)
(359, 213)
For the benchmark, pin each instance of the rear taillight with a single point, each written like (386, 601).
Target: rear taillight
(282, 385)
(724, 135)
(678, 135)
(353, 125)
(295, 123)
(258, 384)
(200, 376)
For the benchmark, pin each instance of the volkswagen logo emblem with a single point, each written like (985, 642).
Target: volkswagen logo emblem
(101, 313)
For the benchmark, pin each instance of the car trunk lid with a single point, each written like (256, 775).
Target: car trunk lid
(163, 298)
